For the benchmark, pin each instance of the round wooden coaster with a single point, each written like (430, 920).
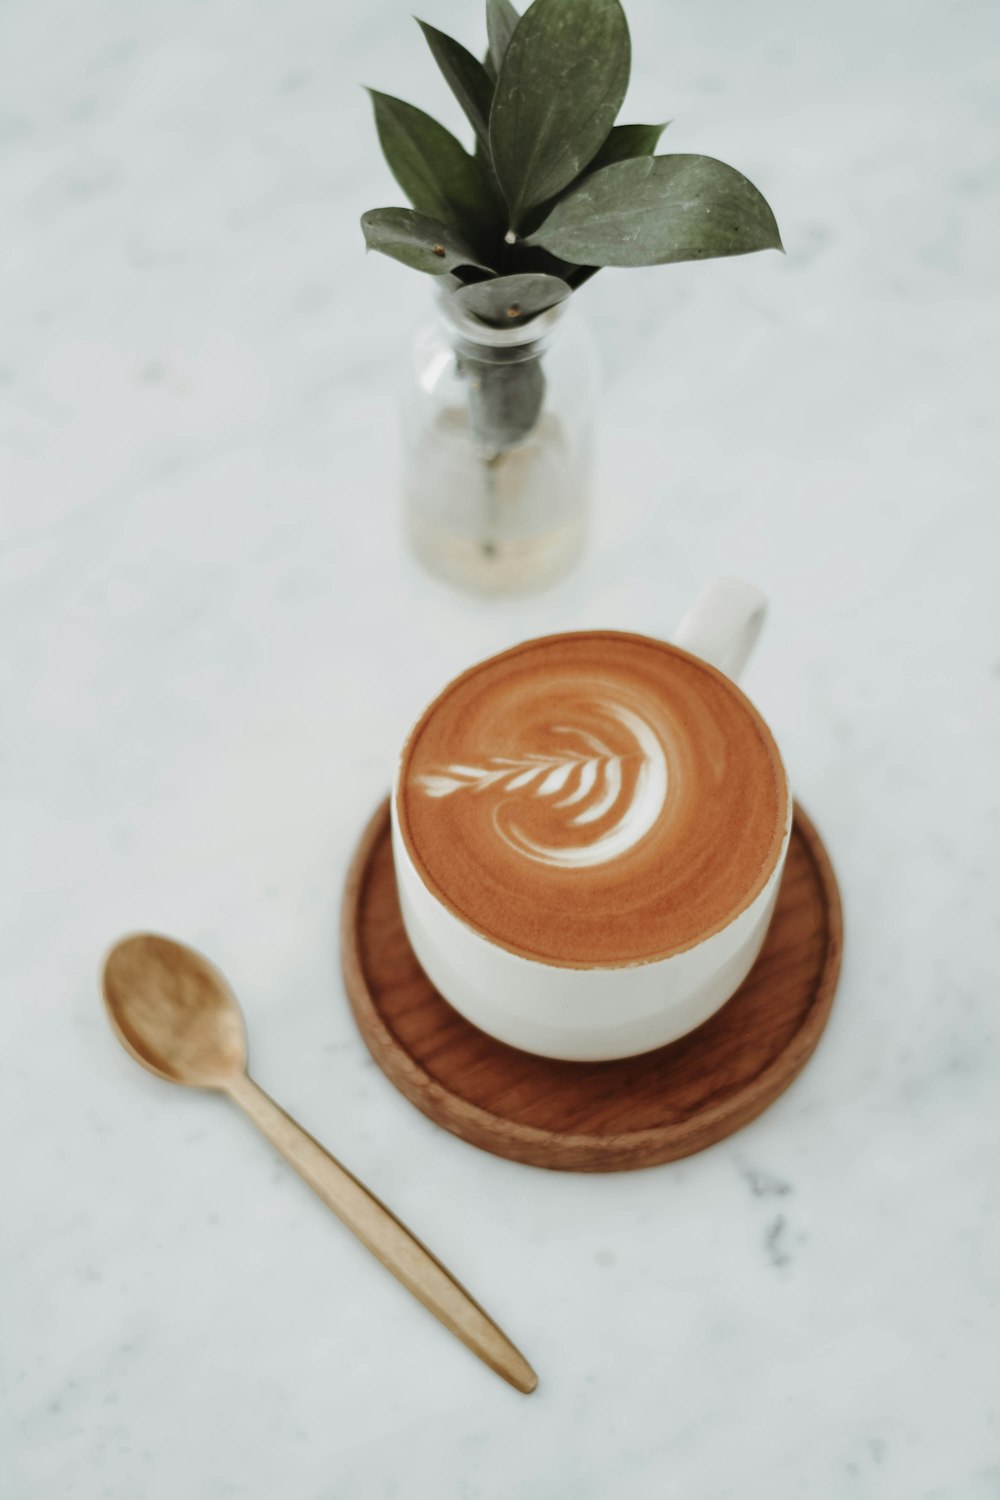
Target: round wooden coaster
(594, 1117)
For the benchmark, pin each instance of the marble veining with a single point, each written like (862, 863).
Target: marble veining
(214, 641)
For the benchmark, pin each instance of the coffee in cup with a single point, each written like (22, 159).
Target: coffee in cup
(589, 831)
(593, 798)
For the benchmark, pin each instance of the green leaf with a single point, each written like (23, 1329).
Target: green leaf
(509, 301)
(657, 209)
(465, 76)
(501, 20)
(440, 179)
(482, 155)
(625, 141)
(620, 144)
(417, 241)
(562, 82)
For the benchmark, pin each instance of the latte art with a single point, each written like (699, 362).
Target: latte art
(593, 798)
(592, 780)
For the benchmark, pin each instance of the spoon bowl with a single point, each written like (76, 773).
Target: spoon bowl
(174, 1012)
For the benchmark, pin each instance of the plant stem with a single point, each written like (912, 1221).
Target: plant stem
(491, 528)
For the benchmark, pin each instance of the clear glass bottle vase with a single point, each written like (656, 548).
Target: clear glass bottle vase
(498, 446)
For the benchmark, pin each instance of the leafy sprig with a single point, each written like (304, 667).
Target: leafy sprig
(554, 189)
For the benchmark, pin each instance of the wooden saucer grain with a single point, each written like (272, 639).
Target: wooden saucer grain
(594, 1117)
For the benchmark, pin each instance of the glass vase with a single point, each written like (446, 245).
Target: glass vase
(498, 446)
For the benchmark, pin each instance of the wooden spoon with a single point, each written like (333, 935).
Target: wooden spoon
(178, 1017)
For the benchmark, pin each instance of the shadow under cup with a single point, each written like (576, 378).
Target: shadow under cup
(589, 832)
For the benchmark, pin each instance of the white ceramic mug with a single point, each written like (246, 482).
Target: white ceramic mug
(600, 1012)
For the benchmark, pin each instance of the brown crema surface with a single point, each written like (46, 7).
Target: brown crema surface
(593, 798)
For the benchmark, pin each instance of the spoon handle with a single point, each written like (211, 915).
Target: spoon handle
(383, 1234)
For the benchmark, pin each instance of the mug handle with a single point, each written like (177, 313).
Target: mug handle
(723, 624)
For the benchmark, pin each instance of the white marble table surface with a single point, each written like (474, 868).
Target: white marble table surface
(213, 640)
